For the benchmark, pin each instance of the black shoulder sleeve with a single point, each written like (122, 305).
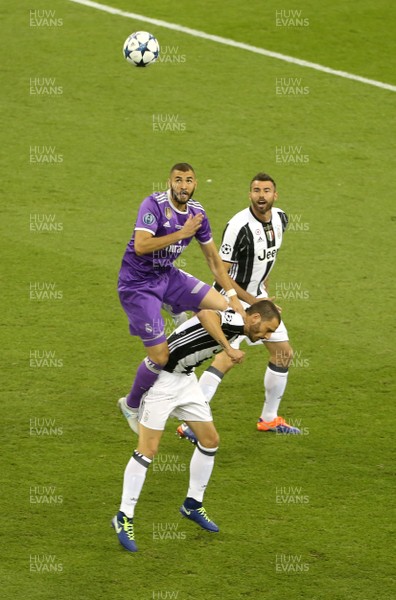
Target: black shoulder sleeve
(285, 219)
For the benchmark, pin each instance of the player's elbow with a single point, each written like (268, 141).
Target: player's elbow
(139, 250)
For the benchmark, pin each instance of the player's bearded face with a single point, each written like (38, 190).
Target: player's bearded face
(262, 197)
(182, 186)
(261, 330)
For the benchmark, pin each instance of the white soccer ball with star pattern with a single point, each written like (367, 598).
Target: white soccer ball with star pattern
(141, 49)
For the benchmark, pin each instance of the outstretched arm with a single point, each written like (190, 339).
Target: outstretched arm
(220, 274)
(242, 294)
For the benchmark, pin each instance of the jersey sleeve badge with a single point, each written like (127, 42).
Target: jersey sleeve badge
(149, 218)
(226, 249)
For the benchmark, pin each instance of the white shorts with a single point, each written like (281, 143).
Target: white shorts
(174, 395)
(280, 334)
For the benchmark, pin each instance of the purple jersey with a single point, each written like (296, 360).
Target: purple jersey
(158, 215)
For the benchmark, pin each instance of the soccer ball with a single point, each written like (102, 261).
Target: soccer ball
(141, 49)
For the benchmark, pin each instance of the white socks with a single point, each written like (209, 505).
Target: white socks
(201, 467)
(209, 382)
(134, 476)
(275, 380)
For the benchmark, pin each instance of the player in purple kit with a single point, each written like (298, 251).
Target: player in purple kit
(165, 225)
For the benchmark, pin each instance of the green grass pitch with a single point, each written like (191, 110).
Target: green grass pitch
(300, 517)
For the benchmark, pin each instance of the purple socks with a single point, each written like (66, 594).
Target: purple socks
(146, 376)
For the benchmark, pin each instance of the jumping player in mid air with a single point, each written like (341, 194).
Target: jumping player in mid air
(166, 223)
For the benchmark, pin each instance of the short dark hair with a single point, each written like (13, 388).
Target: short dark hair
(262, 177)
(266, 309)
(182, 167)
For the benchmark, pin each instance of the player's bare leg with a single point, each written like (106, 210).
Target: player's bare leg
(201, 467)
(205, 433)
(149, 440)
(281, 353)
(214, 301)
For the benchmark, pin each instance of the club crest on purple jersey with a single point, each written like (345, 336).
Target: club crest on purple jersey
(168, 212)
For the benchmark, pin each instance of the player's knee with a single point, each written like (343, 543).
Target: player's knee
(210, 439)
(149, 449)
(214, 301)
(224, 303)
(281, 355)
(159, 356)
(163, 358)
(215, 440)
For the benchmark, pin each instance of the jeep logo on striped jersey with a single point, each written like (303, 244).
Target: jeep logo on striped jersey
(268, 254)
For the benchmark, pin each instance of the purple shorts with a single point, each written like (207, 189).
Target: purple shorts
(142, 302)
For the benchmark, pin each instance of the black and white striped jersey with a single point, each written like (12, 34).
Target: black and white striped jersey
(252, 246)
(190, 344)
